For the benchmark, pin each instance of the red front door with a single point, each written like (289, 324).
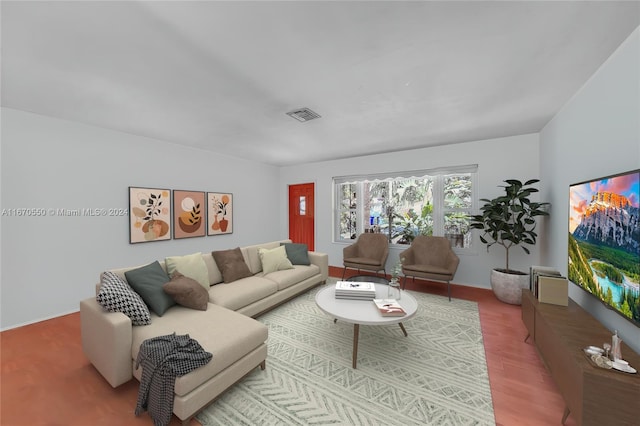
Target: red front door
(301, 214)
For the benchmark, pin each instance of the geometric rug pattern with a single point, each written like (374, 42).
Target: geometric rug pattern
(435, 376)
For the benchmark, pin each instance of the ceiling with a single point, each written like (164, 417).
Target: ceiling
(384, 76)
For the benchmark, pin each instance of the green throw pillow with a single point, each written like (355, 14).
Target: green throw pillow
(147, 281)
(297, 253)
(274, 259)
(191, 266)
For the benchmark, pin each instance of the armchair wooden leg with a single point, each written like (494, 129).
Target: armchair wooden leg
(449, 290)
(344, 272)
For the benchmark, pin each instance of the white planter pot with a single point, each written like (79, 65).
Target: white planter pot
(508, 287)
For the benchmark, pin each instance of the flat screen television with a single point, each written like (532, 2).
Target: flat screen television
(604, 241)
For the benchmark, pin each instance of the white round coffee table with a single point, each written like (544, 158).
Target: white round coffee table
(364, 312)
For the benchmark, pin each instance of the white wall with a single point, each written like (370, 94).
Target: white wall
(497, 159)
(50, 263)
(596, 134)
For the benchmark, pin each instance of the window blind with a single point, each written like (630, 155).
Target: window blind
(411, 174)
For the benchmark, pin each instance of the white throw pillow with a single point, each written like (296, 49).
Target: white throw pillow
(274, 259)
(192, 266)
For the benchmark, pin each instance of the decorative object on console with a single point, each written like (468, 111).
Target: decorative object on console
(616, 343)
(537, 271)
(604, 241)
(149, 214)
(510, 220)
(553, 290)
(219, 213)
(188, 214)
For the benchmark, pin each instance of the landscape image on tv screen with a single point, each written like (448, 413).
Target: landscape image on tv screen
(604, 241)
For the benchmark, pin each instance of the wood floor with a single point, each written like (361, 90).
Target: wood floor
(46, 380)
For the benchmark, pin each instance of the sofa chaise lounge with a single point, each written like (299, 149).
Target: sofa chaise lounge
(226, 328)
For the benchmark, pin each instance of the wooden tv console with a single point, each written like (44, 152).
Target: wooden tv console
(593, 396)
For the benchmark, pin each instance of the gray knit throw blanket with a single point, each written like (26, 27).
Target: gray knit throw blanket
(164, 358)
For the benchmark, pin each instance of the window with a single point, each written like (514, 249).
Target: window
(406, 204)
(302, 205)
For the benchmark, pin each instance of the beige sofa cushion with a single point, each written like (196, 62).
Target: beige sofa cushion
(287, 278)
(241, 293)
(226, 334)
(252, 257)
(215, 276)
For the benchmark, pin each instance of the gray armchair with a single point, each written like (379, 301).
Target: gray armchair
(431, 258)
(369, 253)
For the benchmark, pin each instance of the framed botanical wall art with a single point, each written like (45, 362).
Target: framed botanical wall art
(219, 213)
(188, 214)
(149, 214)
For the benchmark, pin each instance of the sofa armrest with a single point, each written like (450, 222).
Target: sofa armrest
(106, 341)
(322, 261)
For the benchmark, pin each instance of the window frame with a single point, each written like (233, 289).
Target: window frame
(439, 209)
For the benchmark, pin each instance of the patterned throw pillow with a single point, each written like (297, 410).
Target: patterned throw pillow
(116, 295)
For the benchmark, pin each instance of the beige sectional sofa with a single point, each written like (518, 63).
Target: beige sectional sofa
(226, 328)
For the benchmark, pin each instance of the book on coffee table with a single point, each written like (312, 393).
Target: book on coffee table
(355, 290)
(389, 308)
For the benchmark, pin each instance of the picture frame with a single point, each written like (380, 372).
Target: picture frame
(219, 213)
(149, 214)
(189, 213)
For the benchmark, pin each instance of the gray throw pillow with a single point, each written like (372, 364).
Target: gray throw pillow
(115, 295)
(147, 281)
(231, 264)
(187, 292)
(297, 253)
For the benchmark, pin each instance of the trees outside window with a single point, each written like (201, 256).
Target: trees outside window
(403, 207)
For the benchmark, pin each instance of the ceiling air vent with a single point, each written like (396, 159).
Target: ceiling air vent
(303, 114)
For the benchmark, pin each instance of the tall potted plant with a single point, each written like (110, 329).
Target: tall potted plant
(509, 221)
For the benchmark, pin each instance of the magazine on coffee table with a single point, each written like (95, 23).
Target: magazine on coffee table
(389, 308)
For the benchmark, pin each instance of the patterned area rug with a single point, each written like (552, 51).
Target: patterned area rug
(435, 376)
